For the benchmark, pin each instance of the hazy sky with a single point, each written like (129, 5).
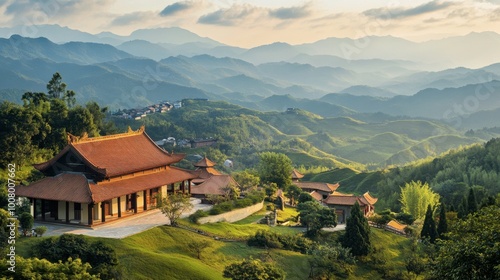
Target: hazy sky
(251, 23)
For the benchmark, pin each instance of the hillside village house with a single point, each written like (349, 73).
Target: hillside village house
(95, 180)
(328, 195)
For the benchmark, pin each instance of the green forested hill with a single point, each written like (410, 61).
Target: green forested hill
(310, 139)
(451, 175)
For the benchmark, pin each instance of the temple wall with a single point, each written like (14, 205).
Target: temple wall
(232, 216)
(97, 211)
(140, 199)
(114, 206)
(123, 202)
(85, 213)
(61, 210)
(71, 211)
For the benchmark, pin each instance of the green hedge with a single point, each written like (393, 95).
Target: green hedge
(226, 206)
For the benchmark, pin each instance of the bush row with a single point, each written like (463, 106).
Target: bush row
(226, 206)
(267, 239)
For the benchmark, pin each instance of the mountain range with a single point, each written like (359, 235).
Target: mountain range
(172, 64)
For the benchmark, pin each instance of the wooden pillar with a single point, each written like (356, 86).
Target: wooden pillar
(183, 183)
(43, 209)
(90, 213)
(56, 214)
(34, 208)
(111, 207)
(134, 202)
(103, 211)
(119, 207)
(67, 212)
(189, 186)
(145, 200)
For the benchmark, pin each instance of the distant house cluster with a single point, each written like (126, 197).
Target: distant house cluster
(328, 195)
(188, 143)
(139, 113)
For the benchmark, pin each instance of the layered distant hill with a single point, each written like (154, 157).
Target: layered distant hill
(413, 80)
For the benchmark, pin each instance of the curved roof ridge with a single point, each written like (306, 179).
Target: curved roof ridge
(85, 139)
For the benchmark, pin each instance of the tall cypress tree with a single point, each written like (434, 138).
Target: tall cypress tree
(442, 227)
(471, 202)
(429, 228)
(463, 208)
(357, 233)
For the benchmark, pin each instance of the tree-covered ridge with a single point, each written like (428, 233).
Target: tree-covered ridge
(308, 139)
(38, 129)
(451, 175)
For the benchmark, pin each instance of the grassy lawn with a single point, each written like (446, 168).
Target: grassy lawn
(289, 212)
(238, 231)
(161, 253)
(392, 249)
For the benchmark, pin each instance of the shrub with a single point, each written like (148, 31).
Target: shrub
(242, 203)
(266, 239)
(40, 230)
(197, 215)
(26, 221)
(215, 211)
(271, 207)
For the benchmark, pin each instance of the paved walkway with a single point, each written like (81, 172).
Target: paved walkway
(337, 228)
(120, 228)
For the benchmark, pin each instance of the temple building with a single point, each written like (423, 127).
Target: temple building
(318, 190)
(209, 181)
(96, 180)
(327, 194)
(342, 203)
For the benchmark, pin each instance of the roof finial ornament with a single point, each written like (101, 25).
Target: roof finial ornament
(72, 138)
(129, 130)
(142, 129)
(85, 136)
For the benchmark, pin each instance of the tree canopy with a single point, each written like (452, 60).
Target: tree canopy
(429, 229)
(357, 233)
(415, 196)
(254, 270)
(275, 168)
(174, 205)
(472, 248)
(315, 216)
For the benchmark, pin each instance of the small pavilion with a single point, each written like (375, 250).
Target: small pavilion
(208, 180)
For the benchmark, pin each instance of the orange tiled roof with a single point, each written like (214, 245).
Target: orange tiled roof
(205, 162)
(107, 190)
(296, 174)
(204, 173)
(344, 200)
(341, 194)
(318, 186)
(337, 198)
(118, 154)
(213, 185)
(65, 187)
(370, 199)
(396, 225)
(76, 187)
(316, 195)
